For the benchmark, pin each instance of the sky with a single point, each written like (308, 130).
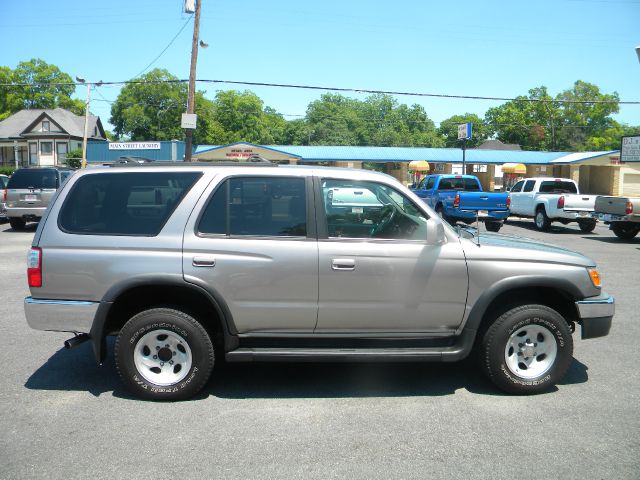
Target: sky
(488, 48)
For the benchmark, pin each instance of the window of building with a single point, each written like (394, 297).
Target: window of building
(480, 169)
(46, 148)
(370, 210)
(124, 203)
(255, 206)
(33, 153)
(46, 126)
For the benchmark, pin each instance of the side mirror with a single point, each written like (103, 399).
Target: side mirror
(508, 189)
(435, 232)
(412, 186)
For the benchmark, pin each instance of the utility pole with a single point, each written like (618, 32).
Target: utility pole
(86, 127)
(191, 98)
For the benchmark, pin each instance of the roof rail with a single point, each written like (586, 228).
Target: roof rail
(162, 163)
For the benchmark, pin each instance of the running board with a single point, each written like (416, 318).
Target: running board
(335, 355)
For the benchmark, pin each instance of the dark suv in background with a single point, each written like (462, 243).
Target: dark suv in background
(29, 192)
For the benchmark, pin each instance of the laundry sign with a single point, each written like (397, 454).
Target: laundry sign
(134, 146)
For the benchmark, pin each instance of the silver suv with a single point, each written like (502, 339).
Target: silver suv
(29, 192)
(190, 263)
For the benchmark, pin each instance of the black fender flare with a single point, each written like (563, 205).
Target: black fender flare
(467, 336)
(98, 334)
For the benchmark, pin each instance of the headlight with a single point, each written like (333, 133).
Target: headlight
(595, 277)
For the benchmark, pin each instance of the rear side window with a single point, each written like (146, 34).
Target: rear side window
(36, 178)
(124, 203)
(528, 187)
(271, 207)
(555, 186)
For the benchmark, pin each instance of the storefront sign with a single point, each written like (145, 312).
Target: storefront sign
(630, 149)
(240, 153)
(134, 146)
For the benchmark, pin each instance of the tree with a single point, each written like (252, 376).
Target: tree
(47, 87)
(449, 130)
(242, 117)
(529, 121)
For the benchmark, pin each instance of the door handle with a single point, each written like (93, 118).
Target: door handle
(203, 262)
(343, 264)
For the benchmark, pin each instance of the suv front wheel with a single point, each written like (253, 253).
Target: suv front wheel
(164, 354)
(527, 349)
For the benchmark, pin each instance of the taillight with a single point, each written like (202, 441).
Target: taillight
(628, 208)
(561, 201)
(508, 201)
(456, 201)
(34, 267)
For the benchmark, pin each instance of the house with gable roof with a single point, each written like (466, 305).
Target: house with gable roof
(43, 137)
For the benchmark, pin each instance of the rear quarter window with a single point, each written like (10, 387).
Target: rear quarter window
(137, 203)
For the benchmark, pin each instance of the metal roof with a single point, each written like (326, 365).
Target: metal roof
(408, 154)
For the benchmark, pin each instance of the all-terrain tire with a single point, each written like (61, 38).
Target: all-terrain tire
(541, 220)
(526, 350)
(17, 223)
(493, 226)
(164, 354)
(624, 230)
(588, 225)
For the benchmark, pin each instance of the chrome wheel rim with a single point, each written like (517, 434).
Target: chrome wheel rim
(539, 219)
(162, 357)
(531, 351)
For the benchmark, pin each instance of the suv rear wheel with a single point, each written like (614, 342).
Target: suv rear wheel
(164, 354)
(527, 349)
(17, 223)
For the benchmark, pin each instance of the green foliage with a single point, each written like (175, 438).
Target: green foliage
(74, 158)
(39, 94)
(7, 170)
(449, 130)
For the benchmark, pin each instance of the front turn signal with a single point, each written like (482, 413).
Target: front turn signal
(595, 277)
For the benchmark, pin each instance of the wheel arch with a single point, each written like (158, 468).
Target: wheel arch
(125, 300)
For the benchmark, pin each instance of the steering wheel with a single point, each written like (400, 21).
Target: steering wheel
(388, 214)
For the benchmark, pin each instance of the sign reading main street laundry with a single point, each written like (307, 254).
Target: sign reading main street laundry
(134, 146)
(630, 149)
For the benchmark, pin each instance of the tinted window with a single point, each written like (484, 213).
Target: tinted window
(370, 210)
(518, 186)
(555, 186)
(272, 207)
(528, 187)
(34, 178)
(430, 183)
(124, 203)
(3, 181)
(459, 183)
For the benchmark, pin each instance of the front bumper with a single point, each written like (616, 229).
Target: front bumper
(595, 315)
(60, 315)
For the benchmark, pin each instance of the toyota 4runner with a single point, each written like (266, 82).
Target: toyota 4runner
(189, 263)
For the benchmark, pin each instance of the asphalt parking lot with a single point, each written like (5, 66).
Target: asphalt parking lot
(64, 417)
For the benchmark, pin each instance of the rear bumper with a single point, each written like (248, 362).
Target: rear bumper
(596, 314)
(492, 216)
(60, 315)
(25, 212)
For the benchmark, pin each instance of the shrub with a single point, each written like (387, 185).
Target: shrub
(74, 158)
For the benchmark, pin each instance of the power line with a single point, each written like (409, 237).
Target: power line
(338, 89)
(165, 48)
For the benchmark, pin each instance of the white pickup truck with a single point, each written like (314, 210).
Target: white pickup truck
(552, 200)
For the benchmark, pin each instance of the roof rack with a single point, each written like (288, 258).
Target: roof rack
(161, 163)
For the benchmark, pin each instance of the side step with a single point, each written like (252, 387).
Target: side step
(335, 355)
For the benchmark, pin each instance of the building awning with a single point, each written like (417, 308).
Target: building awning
(519, 168)
(419, 166)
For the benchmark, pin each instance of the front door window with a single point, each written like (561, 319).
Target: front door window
(61, 152)
(33, 154)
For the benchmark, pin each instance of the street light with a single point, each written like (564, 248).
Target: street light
(638, 52)
(86, 117)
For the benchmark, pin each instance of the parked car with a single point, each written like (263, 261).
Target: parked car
(4, 179)
(622, 214)
(460, 198)
(258, 262)
(550, 200)
(29, 192)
